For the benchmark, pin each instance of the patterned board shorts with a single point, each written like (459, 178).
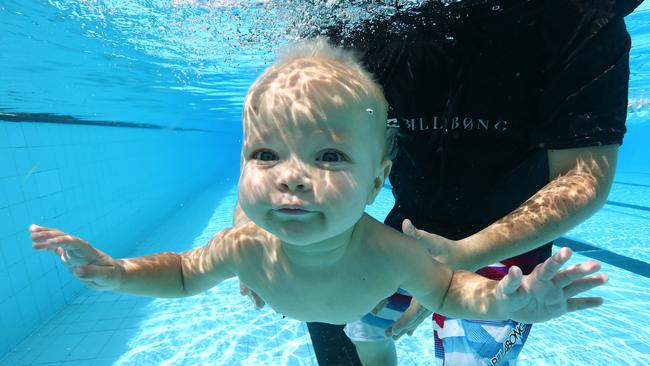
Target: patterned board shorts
(457, 341)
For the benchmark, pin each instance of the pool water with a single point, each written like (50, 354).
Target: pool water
(148, 184)
(220, 327)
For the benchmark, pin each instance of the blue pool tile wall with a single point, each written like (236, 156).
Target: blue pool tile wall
(108, 185)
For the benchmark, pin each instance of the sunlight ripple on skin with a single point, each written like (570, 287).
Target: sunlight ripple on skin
(218, 326)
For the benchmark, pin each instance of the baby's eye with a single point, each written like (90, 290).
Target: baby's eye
(264, 155)
(331, 156)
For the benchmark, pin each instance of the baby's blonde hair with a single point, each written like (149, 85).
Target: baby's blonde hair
(309, 72)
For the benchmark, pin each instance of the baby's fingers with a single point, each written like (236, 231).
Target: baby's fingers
(582, 303)
(551, 266)
(40, 239)
(45, 238)
(575, 272)
(67, 242)
(584, 284)
(35, 228)
(511, 282)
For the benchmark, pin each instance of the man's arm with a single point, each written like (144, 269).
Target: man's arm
(580, 182)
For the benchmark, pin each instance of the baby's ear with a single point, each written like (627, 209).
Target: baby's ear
(380, 178)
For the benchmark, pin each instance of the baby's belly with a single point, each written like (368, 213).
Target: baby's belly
(336, 297)
(333, 311)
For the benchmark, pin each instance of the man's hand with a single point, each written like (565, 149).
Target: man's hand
(548, 292)
(442, 249)
(93, 267)
(257, 301)
(414, 315)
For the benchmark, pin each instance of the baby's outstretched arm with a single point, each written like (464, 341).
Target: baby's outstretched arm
(161, 275)
(547, 293)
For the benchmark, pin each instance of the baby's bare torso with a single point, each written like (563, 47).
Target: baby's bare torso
(338, 293)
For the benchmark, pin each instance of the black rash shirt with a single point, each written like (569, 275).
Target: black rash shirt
(481, 89)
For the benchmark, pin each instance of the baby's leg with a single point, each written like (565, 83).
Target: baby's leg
(377, 352)
(368, 333)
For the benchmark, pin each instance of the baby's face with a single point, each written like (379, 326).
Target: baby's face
(307, 175)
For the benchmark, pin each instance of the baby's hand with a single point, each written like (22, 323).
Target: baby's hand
(93, 267)
(548, 292)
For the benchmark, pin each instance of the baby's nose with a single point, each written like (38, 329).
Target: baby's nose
(293, 186)
(293, 179)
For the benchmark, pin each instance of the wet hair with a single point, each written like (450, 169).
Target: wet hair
(297, 78)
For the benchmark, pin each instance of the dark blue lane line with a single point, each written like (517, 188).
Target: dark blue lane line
(632, 184)
(628, 205)
(636, 215)
(629, 264)
(71, 120)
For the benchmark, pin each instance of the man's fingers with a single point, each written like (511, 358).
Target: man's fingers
(380, 306)
(243, 289)
(582, 303)
(549, 268)
(575, 272)
(389, 332)
(584, 284)
(258, 303)
(409, 321)
(398, 329)
(409, 229)
(435, 244)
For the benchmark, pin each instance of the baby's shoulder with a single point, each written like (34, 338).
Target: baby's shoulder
(249, 247)
(246, 237)
(388, 242)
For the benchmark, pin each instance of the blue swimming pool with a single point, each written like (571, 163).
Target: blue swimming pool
(119, 121)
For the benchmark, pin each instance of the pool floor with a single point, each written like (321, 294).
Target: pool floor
(220, 327)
